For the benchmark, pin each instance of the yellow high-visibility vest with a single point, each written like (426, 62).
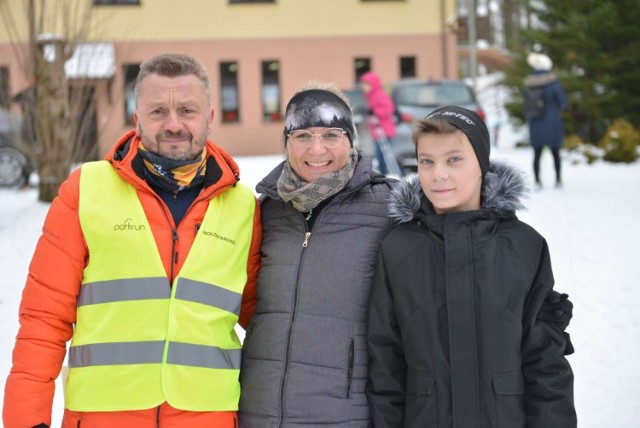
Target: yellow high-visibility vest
(139, 341)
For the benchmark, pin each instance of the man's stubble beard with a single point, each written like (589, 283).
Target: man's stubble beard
(153, 145)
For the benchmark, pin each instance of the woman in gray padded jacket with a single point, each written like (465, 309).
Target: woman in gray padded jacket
(323, 216)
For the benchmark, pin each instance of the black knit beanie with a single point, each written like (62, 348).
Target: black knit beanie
(472, 126)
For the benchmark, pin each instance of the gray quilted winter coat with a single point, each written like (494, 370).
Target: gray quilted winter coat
(305, 358)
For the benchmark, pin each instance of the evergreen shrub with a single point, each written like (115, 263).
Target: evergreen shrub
(572, 142)
(579, 151)
(621, 142)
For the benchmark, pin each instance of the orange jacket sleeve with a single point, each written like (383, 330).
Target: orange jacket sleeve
(47, 312)
(249, 296)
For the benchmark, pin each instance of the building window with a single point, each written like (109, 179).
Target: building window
(5, 99)
(271, 91)
(115, 2)
(361, 66)
(229, 92)
(407, 67)
(251, 1)
(130, 73)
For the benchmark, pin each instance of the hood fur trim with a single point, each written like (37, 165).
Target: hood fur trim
(504, 187)
(539, 79)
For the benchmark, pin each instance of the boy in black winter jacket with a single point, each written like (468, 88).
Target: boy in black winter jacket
(463, 329)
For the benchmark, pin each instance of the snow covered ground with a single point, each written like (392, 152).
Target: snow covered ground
(592, 229)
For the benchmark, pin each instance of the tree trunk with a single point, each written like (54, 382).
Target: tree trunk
(51, 177)
(58, 125)
(55, 147)
(510, 24)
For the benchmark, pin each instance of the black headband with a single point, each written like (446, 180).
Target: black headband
(317, 107)
(472, 126)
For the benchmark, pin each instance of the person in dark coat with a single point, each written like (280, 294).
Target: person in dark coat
(458, 335)
(547, 128)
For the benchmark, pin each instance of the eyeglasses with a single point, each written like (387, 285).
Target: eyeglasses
(330, 138)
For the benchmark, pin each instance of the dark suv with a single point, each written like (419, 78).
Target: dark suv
(418, 98)
(14, 166)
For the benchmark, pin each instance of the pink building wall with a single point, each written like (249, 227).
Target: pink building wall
(301, 60)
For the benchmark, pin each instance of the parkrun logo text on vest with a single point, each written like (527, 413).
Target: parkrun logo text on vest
(222, 238)
(127, 225)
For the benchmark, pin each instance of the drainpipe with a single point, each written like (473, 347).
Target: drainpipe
(473, 54)
(443, 39)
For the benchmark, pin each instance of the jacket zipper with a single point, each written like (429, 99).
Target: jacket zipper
(350, 369)
(305, 242)
(174, 251)
(174, 229)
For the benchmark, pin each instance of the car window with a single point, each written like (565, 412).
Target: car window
(357, 101)
(9, 123)
(433, 95)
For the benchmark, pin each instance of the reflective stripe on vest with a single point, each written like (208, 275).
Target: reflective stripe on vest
(103, 354)
(120, 290)
(139, 341)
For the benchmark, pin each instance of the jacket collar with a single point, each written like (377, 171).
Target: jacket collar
(222, 170)
(503, 188)
(539, 78)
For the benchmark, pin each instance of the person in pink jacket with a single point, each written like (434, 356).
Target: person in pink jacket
(382, 110)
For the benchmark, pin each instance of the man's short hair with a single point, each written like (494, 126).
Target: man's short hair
(173, 65)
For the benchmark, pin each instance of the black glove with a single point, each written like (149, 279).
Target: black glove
(558, 310)
(568, 348)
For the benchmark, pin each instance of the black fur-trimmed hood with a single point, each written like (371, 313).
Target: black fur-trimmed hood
(503, 189)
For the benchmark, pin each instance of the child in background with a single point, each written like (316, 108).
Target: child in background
(457, 333)
(381, 122)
